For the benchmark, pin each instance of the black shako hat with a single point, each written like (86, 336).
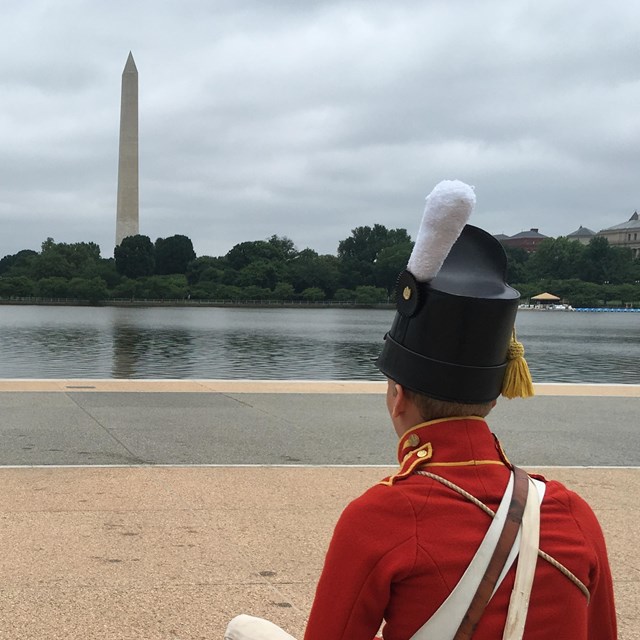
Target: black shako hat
(455, 315)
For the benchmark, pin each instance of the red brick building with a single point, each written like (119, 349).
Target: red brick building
(527, 240)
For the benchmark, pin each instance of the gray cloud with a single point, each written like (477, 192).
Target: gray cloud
(308, 119)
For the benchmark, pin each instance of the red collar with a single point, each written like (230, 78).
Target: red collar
(447, 442)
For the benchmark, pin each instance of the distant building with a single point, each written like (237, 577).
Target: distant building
(625, 234)
(527, 240)
(500, 236)
(582, 235)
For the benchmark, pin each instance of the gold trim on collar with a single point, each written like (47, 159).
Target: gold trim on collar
(402, 444)
(437, 420)
(421, 454)
(501, 452)
(465, 463)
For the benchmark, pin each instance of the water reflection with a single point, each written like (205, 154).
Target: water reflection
(357, 360)
(51, 342)
(146, 352)
(52, 350)
(576, 347)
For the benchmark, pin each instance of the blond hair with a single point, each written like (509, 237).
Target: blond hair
(432, 409)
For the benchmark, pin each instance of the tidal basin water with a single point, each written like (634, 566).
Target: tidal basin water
(303, 344)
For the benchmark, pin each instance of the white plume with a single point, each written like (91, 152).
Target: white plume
(446, 211)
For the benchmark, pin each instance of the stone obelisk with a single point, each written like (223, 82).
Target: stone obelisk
(127, 208)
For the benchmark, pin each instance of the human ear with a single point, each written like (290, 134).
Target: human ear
(398, 401)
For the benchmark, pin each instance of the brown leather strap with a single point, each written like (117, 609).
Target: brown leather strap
(499, 557)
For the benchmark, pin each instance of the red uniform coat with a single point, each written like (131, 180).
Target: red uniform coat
(399, 549)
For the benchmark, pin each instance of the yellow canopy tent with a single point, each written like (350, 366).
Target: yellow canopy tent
(546, 297)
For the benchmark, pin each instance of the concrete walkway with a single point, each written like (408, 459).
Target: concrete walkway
(175, 551)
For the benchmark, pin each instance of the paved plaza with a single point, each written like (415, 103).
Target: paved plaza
(162, 509)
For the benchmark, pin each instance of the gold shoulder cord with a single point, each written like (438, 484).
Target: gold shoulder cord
(552, 561)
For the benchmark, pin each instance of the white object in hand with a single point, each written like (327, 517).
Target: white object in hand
(244, 627)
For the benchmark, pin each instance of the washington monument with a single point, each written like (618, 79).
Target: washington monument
(127, 208)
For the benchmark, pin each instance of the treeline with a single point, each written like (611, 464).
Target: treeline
(593, 275)
(363, 271)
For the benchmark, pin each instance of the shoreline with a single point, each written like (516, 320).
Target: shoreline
(274, 386)
(259, 304)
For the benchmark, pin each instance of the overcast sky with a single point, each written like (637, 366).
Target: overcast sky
(309, 118)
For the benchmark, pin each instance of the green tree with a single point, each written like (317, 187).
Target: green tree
(105, 269)
(127, 288)
(64, 260)
(354, 273)
(365, 243)
(94, 289)
(81, 255)
(344, 295)
(18, 264)
(206, 268)
(52, 264)
(173, 287)
(173, 254)
(328, 272)
(228, 292)
(16, 287)
(302, 270)
(53, 287)
(247, 252)
(202, 291)
(389, 263)
(602, 263)
(557, 258)
(359, 253)
(620, 266)
(308, 269)
(370, 295)
(629, 294)
(283, 291)
(593, 264)
(48, 244)
(254, 292)
(260, 273)
(135, 256)
(581, 294)
(313, 294)
(284, 245)
(516, 264)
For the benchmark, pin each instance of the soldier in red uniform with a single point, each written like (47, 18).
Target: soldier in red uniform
(399, 550)
(458, 543)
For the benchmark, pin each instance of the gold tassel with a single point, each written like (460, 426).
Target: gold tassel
(517, 381)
